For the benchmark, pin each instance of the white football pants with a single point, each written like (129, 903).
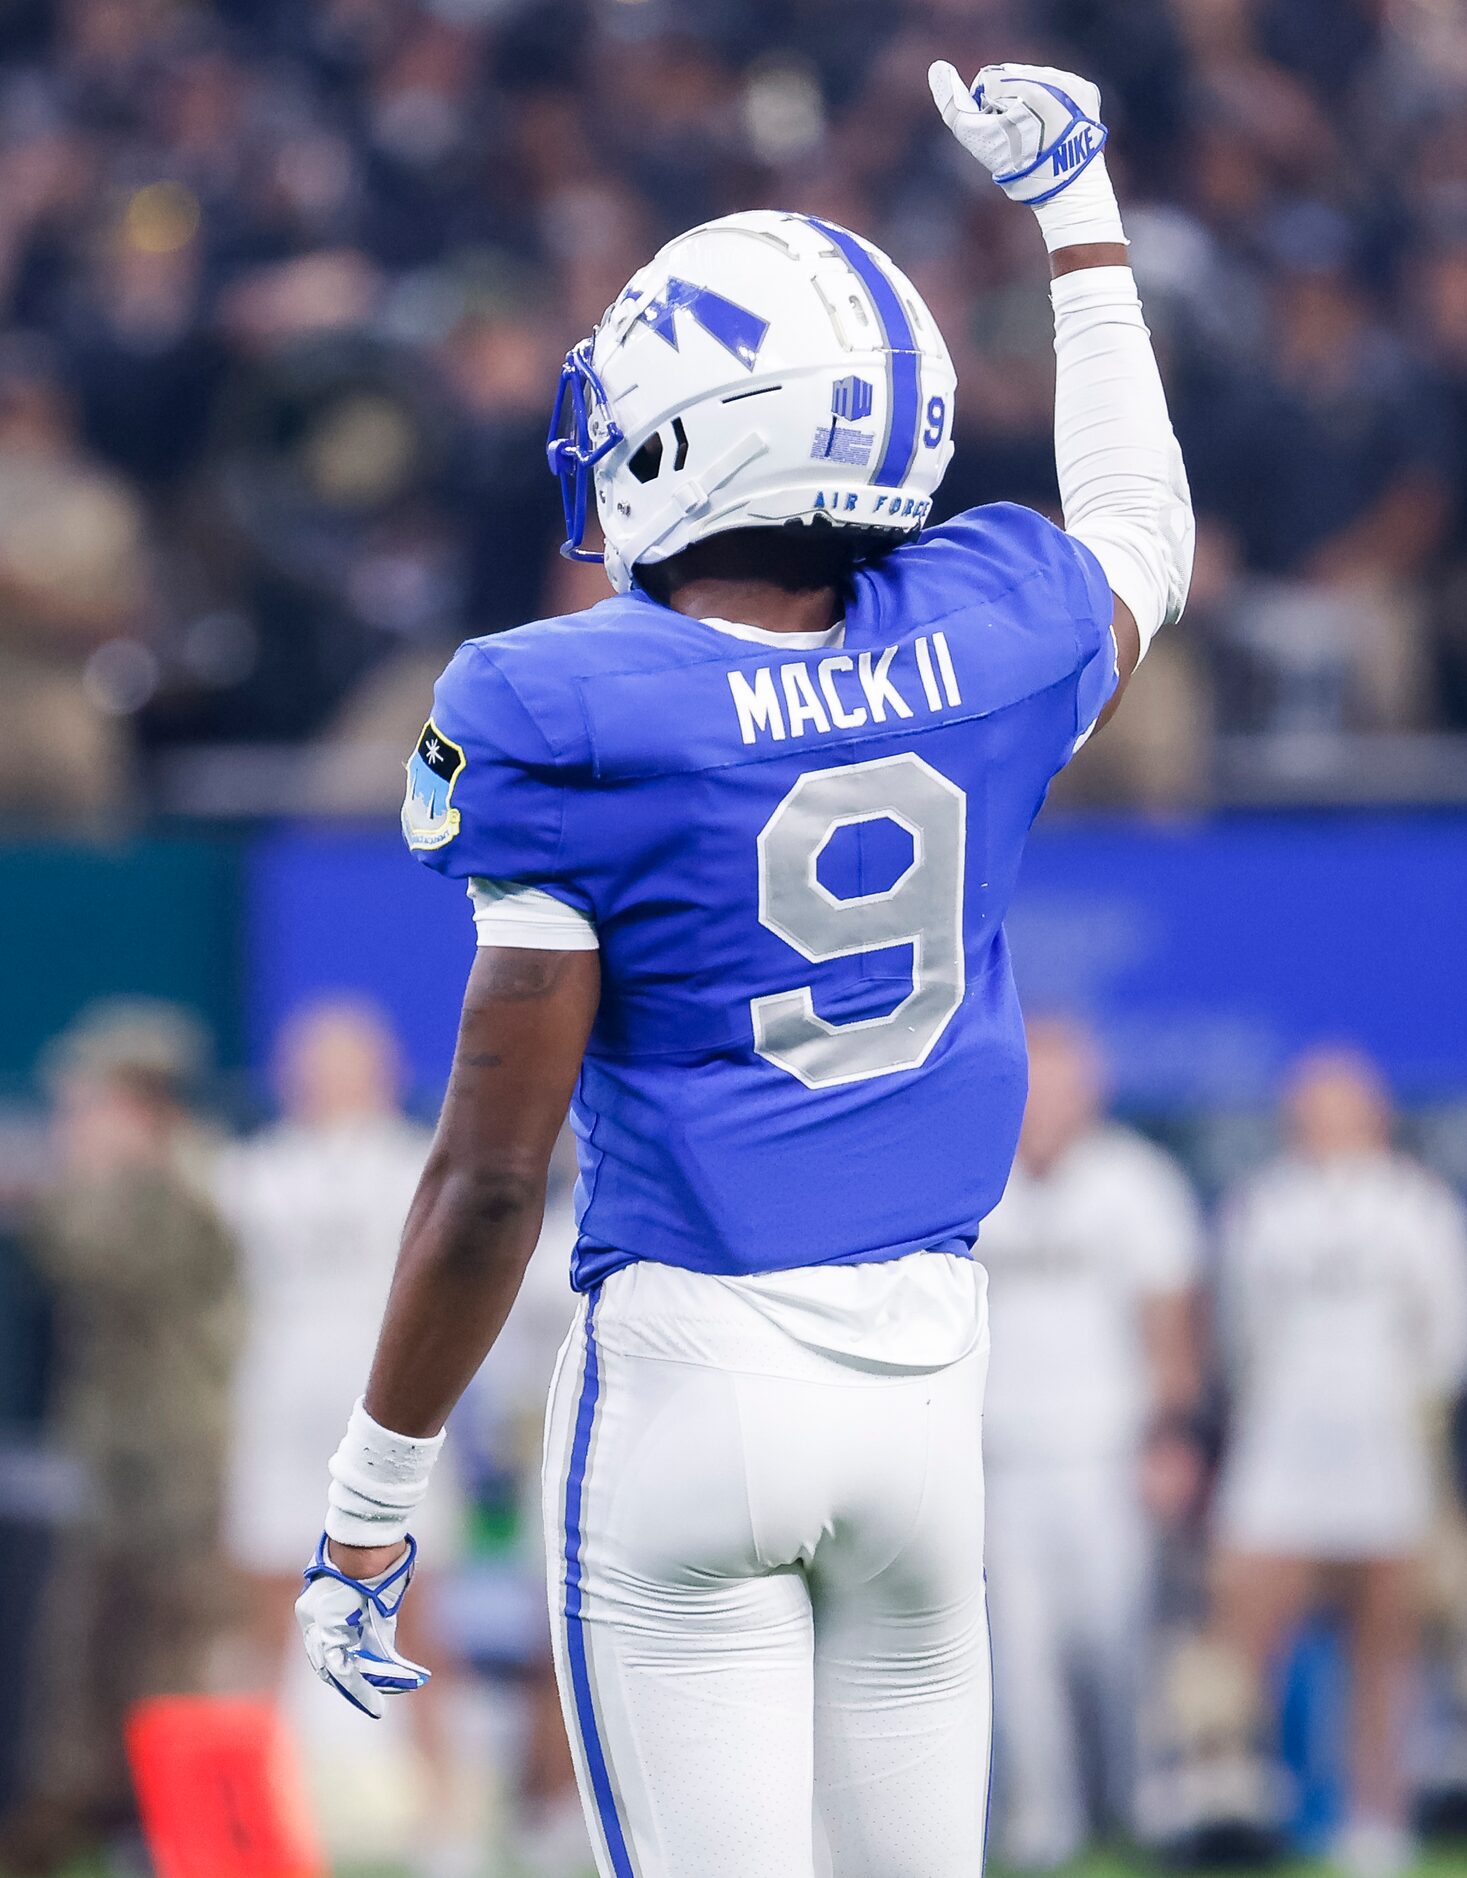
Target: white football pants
(767, 1601)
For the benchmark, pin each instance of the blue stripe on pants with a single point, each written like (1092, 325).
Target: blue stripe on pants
(988, 1795)
(575, 1636)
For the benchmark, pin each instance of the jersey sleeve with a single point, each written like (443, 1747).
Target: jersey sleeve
(1097, 674)
(1009, 564)
(487, 796)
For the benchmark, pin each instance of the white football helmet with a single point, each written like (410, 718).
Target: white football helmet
(761, 369)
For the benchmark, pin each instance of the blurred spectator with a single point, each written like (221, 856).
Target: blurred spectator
(1338, 460)
(73, 589)
(318, 1202)
(1343, 1293)
(1441, 289)
(1088, 1442)
(305, 274)
(143, 1272)
(508, 1407)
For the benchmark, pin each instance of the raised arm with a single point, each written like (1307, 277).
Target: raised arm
(1122, 483)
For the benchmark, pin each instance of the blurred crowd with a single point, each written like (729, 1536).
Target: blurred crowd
(284, 288)
(213, 1305)
(1224, 1448)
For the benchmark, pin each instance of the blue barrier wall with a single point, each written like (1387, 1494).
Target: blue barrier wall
(329, 912)
(1206, 954)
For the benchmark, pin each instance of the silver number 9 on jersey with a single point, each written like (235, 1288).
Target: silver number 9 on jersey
(924, 909)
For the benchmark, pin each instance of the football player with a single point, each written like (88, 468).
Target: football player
(1089, 1443)
(1342, 1287)
(739, 843)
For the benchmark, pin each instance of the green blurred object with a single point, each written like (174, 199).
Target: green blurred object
(80, 922)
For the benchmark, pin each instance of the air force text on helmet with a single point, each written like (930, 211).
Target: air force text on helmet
(890, 506)
(840, 693)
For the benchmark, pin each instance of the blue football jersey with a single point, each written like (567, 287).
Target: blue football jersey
(808, 1049)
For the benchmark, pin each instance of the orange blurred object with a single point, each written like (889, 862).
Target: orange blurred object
(219, 1790)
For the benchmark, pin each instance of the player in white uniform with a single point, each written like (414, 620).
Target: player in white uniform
(1344, 1311)
(741, 839)
(317, 1201)
(1092, 1258)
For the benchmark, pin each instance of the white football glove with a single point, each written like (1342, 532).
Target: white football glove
(1037, 131)
(349, 1626)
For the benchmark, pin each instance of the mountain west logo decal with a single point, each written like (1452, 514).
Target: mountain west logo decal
(851, 398)
(735, 328)
(429, 819)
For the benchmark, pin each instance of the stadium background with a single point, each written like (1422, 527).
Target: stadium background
(283, 291)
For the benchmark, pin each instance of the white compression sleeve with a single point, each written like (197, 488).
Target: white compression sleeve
(378, 1480)
(1121, 477)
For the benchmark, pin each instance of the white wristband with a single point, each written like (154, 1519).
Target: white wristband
(378, 1479)
(1084, 213)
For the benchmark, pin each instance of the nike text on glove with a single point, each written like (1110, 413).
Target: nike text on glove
(1037, 131)
(349, 1626)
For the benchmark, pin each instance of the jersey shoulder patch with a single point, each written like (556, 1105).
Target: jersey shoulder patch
(491, 779)
(429, 818)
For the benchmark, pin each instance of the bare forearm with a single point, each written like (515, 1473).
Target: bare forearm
(1088, 254)
(1170, 1331)
(469, 1237)
(476, 1215)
